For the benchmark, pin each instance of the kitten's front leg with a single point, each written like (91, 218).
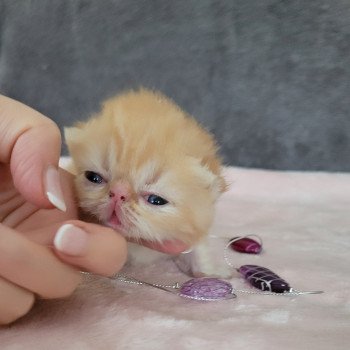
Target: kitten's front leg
(206, 259)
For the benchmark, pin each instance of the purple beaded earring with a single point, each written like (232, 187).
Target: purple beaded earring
(212, 289)
(258, 276)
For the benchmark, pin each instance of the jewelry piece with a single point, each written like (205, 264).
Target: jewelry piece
(266, 280)
(203, 289)
(206, 288)
(246, 244)
(212, 289)
(261, 277)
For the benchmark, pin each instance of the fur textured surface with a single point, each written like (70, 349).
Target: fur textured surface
(142, 144)
(303, 219)
(142, 141)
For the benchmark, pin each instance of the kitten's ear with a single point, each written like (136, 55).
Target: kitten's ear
(214, 165)
(218, 185)
(73, 135)
(211, 178)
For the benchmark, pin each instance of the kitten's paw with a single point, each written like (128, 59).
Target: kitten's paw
(213, 271)
(198, 264)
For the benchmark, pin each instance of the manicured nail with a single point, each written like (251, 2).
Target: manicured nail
(53, 188)
(71, 240)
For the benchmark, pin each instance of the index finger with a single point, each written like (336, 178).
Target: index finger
(29, 143)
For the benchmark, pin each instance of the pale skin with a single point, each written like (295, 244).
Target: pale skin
(32, 264)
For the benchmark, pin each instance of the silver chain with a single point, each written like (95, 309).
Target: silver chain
(176, 285)
(133, 280)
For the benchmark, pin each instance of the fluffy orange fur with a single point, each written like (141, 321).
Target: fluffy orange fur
(146, 141)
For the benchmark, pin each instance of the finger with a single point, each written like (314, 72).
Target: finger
(15, 302)
(173, 247)
(34, 267)
(50, 219)
(91, 247)
(30, 142)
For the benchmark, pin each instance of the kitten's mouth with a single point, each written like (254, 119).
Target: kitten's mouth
(114, 221)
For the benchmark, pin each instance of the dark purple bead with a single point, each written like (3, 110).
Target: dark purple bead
(246, 245)
(264, 279)
(206, 288)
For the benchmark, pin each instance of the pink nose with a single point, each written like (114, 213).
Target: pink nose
(120, 192)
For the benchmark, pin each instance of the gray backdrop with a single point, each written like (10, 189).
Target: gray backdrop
(270, 78)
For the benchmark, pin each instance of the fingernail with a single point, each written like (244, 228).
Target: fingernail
(53, 188)
(71, 240)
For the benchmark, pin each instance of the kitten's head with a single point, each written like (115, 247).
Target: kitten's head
(146, 169)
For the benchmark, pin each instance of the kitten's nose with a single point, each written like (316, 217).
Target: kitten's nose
(120, 192)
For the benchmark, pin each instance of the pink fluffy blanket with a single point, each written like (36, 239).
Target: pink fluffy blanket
(304, 222)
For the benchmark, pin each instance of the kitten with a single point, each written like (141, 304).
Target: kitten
(148, 170)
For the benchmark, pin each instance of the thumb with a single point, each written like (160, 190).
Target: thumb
(92, 247)
(30, 143)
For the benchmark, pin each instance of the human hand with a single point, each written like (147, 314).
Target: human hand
(39, 253)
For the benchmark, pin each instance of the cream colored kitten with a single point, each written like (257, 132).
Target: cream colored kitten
(148, 170)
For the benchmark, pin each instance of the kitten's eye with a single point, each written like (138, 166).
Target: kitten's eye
(94, 177)
(156, 200)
